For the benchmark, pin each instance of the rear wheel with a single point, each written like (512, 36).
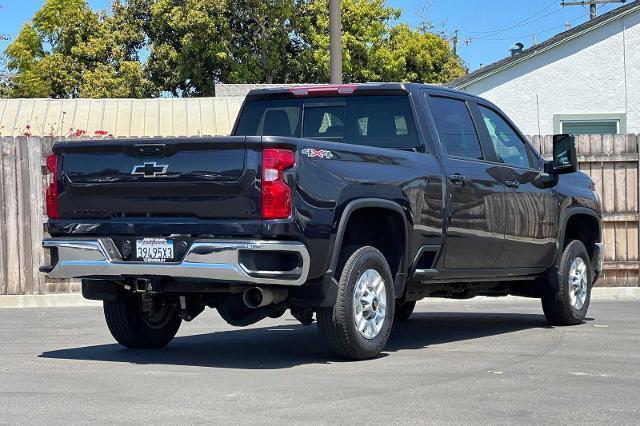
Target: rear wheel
(140, 322)
(567, 295)
(358, 325)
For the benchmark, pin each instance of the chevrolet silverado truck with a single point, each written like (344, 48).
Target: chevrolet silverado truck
(345, 203)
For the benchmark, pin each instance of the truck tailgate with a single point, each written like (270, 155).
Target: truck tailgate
(202, 178)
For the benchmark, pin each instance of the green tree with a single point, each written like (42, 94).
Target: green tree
(4, 85)
(365, 26)
(375, 47)
(195, 44)
(265, 41)
(415, 55)
(68, 50)
(188, 46)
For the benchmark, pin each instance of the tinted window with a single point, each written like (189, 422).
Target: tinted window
(270, 118)
(324, 123)
(455, 127)
(381, 121)
(509, 148)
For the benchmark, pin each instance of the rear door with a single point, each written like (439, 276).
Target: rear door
(475, 197)
(531, 209)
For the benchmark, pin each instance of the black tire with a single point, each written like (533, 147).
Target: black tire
(556, 297)
(134, 329)
(337, 324)
(404, 310)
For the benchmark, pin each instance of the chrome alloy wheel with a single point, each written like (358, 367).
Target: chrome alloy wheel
(369, 303)
(578, 283)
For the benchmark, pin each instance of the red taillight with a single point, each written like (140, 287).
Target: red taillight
(52, 188)
(276, 194)
(340, 89)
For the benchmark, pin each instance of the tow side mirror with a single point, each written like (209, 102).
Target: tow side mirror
(565, 159)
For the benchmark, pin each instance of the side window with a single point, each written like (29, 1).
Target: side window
(509, 148)
(455, 126)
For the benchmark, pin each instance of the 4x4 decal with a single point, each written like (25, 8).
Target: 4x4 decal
(318, 153)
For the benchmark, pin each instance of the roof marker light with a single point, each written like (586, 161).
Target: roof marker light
(340, 89)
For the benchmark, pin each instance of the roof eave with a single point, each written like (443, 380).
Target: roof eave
(543, 48)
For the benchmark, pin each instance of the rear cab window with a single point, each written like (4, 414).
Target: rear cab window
(384, 121)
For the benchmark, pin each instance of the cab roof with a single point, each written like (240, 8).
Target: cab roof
(355, 89)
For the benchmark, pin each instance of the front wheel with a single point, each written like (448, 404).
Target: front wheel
(358, 325)
(140, 322)
(567, 295)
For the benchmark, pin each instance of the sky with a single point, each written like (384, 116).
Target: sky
(487, 28)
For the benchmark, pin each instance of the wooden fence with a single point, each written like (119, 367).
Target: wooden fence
(612, 162)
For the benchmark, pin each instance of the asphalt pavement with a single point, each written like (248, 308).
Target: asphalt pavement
(453, 362)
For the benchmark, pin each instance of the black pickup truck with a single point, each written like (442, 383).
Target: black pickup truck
(346, 202)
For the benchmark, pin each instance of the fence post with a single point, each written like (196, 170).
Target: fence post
(36, 201)
(3, 245)
(637, 137)
(10, 213)
(25, 213)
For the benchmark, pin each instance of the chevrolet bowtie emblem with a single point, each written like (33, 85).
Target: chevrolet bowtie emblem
(150, 169)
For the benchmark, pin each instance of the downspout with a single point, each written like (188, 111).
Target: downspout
(624, 61)
(538, 113)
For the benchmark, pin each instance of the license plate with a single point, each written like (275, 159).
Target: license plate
(154, 249)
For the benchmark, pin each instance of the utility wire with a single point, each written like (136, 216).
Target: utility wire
(523, 22)
(532, 34)
(490, 38)
(530, 22)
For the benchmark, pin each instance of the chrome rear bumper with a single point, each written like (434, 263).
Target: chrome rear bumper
(218, 260)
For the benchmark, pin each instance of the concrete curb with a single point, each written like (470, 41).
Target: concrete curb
(615, 293)
(46, 301)
(76, 299)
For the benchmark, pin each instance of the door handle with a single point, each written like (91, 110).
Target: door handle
(512, 184)
(457, 179)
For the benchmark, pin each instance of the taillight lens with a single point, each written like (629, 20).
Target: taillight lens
(52, 188)
(276, 194)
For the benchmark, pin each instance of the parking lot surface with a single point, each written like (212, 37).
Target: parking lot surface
(453, 362)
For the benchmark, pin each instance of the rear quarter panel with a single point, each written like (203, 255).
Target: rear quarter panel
(325, 185)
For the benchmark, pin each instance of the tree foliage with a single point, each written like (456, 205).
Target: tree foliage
(68, 50)
(185, 47)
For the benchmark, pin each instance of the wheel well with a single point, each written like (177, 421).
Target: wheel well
(378, 227)
(585, 228)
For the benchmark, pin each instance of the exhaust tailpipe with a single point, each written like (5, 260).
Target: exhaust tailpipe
(256, 297)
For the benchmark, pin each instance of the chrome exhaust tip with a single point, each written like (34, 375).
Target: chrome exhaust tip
(256, 297)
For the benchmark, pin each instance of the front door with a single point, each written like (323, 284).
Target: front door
(475, 209)
(531, 210)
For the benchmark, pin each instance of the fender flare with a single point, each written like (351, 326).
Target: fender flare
(355, 205)
(564, 220)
